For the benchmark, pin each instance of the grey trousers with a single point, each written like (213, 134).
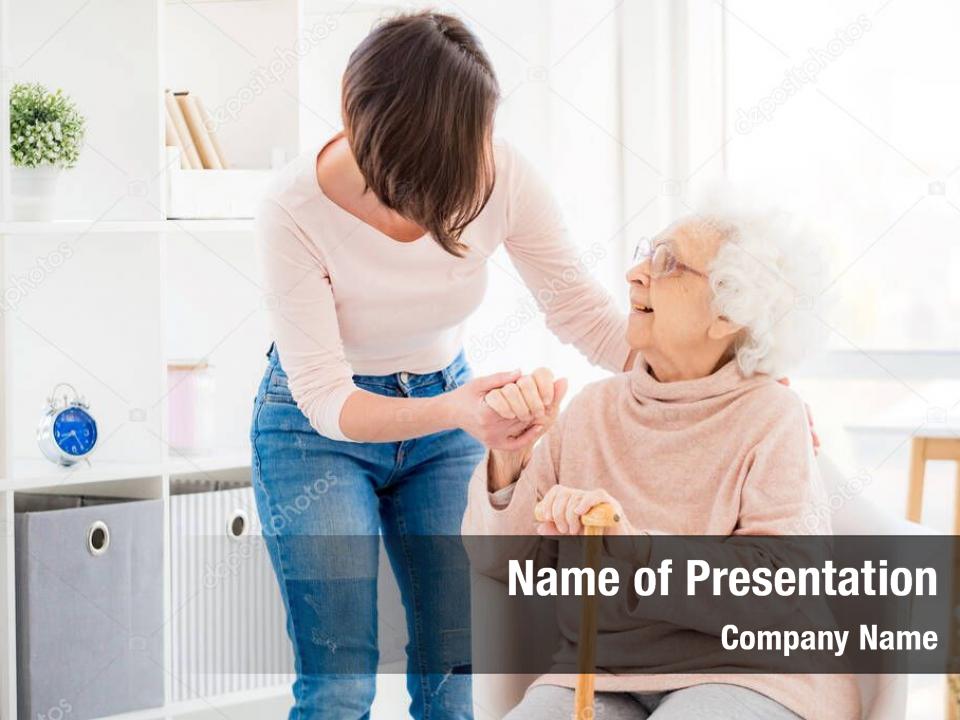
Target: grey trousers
(712, 701)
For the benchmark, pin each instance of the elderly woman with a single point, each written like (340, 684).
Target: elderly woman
(699, 439)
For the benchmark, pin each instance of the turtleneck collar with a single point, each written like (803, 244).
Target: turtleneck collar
(727, 378)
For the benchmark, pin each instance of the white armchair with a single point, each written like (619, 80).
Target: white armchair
(883, 697)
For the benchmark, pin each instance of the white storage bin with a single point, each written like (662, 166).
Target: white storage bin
(89, 606)
(214, 194)
(229, 624)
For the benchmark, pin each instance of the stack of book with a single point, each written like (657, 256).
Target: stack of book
(191, 130)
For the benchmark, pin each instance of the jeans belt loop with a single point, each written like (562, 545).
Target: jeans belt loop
(449, 379)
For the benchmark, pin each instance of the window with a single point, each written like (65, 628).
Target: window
(850, 111)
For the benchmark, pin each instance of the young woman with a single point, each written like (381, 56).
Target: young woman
(374, 251)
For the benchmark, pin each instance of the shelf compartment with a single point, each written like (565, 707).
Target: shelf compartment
(94, 227)
(141, 480)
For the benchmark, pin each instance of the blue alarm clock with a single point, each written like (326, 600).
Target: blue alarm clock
(67, 431)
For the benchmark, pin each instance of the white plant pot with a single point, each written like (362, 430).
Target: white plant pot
(34, 192)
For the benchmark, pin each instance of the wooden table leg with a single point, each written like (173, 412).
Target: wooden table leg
(956, 502)
(951, 701)
(953, 681)
(918, 464)
(921, 450)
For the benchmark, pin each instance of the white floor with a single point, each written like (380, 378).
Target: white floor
(392, 698)
(927, 696)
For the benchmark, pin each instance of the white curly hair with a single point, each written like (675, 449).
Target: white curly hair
(768, 276)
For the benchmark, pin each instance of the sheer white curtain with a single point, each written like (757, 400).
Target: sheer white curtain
(558, 65)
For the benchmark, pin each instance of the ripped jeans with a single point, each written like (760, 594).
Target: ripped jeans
(323, 505)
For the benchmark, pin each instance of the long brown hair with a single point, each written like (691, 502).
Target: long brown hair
(419, 95)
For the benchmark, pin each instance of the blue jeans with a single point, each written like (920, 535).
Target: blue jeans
(323, 505)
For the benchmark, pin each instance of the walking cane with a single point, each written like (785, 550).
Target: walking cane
(594, 521)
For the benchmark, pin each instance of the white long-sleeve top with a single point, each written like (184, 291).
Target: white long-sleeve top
(343, 298)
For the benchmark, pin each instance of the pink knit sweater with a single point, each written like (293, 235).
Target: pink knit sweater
(720, 455)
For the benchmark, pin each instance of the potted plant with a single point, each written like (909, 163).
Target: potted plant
(46, 134)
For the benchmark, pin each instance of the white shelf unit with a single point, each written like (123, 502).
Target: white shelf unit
(105, 294)
(110, 290)
(242, 227)
(128, 296)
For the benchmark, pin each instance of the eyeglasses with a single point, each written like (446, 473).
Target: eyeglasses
(663, 259)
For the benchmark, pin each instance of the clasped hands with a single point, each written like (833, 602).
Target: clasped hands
(525, 407)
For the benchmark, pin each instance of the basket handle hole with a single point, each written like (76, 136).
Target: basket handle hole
(238, 525)
(98, 538)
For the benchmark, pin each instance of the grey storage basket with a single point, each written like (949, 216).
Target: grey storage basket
(89, 607)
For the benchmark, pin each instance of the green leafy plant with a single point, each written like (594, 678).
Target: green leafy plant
(45, 127)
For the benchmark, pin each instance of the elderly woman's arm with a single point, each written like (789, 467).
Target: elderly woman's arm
(505, 488)
(500, 502)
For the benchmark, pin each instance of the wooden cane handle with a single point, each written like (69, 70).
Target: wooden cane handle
(602, 515)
